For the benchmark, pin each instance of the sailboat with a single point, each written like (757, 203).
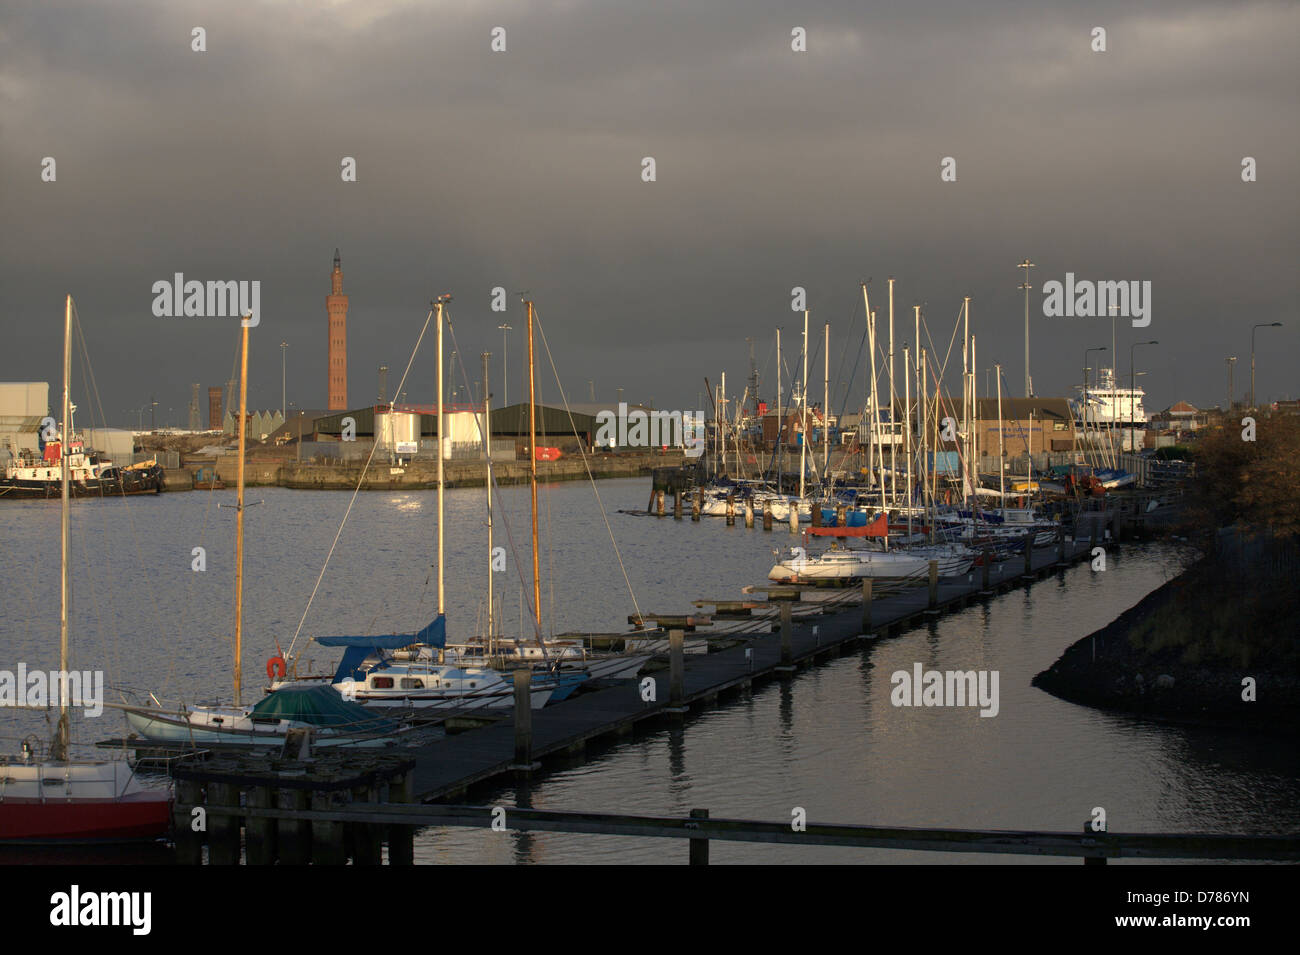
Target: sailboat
(558, 666)
(562, 665)
(331, 720)
(54, 798)
(411, 671)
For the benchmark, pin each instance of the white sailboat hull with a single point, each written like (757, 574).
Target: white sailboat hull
(198, 725)
(849, 565)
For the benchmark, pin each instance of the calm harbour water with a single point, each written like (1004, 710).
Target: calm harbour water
(829, 741)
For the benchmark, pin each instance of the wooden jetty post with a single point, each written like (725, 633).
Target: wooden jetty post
(866, 605)
(1029, 553)
(259, 831)
(986, 569)
(695, 505)
(677, 504)
(328, 846)
(794, 518)
(223, 831)
(677, 672)
(277, 792)
(934, 587)
(365, 839)
(189, 843)
(292, 836)
(1092, 860)
(816, 514)
(524, 721)
(787, 636)
(1060, 544)
(401, 839)
(659, 503)
(767, 515)
(731, 508)
(699, 848)
(749, 513)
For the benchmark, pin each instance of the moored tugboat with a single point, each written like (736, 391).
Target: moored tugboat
(36, 474)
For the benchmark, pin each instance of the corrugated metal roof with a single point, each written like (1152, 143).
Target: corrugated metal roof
(1019, 409)
(513, 420)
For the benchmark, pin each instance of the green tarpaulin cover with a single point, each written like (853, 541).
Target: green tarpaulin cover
(320, 706)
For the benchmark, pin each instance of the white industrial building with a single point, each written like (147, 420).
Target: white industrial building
(22, 406)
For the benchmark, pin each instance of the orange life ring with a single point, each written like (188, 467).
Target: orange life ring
(276, 667)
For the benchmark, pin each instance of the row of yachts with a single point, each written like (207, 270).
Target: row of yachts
(383, 688)
(866, 541)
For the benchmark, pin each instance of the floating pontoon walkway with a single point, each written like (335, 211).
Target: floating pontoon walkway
(772, 632)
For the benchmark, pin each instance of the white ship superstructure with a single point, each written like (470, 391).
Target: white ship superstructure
(1112, 411)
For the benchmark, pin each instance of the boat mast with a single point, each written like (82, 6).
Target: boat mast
(920, 438)
(1002, 487)
(924, 410)
(875, 414)
(893, 396)
(487, 444)
(722, 423)
(780, 421)
(62, 735)
(871, 398)
(826, 406)
(239, 508)
(967, 393)
(803, 405)
(907, 430)
(1029, 491)
(442, 450)
(532, 474)
(974, 419)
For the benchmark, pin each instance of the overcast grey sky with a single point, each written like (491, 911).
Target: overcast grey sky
(522, 169)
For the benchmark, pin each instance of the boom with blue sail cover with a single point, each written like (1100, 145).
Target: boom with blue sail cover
(360, 647)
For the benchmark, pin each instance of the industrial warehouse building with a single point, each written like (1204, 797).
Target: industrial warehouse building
(1027, 424)
(412, 430)
(22, 406)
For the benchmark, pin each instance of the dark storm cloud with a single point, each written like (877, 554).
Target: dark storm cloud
(522, 169)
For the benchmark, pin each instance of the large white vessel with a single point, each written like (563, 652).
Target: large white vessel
(1112, 411)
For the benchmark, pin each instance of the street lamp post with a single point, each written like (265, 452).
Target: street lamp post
(1132, 379)
(1252, 355)
(283, 348)
(1231, 363)
(505, 371)
(1025, 287)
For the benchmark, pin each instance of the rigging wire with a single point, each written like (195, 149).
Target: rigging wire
(351, 501)
(586, 464)
(505, 520)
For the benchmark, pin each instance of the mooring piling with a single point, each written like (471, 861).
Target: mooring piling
(524, 721)
(866, 604)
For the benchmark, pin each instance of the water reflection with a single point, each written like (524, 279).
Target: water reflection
(828, 739)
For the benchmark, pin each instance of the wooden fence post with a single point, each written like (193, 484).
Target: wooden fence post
(699, 851)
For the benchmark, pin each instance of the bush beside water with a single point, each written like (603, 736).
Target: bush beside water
(1184, 651)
